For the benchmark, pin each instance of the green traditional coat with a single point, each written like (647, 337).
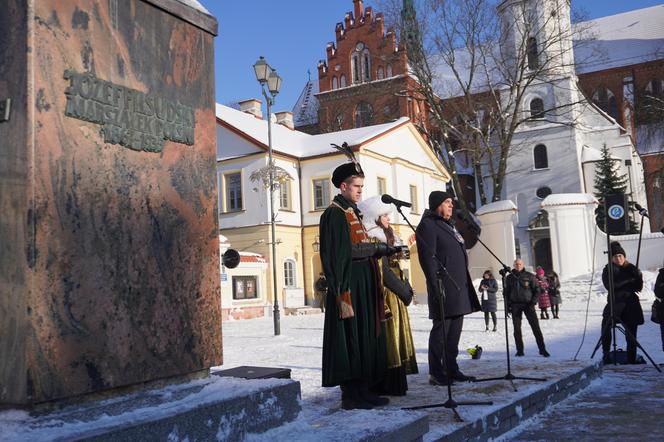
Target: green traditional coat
(353, 348)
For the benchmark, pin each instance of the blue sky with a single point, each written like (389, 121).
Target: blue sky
(292, 35)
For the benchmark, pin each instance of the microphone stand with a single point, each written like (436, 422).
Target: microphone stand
(442, 272)
(508, 376)
(638, 249)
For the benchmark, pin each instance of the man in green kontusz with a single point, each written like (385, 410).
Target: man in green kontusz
(354, 350)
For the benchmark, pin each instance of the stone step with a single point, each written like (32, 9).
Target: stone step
(213, 408)
(380, 425)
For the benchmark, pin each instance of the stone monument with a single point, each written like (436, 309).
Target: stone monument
(109, 252)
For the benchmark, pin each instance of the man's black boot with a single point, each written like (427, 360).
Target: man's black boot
(372, 398)
(351, 399)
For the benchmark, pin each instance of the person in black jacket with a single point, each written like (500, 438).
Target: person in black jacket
(439, 241)
(659, 301)
(521, 292)
(627, 280)
(488, 289)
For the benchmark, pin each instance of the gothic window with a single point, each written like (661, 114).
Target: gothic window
(342, 81)
(606, 101)
(366, 65)
(339, 121)
(361, 64)
(334, 83)
(540, 157)
(654, 87)
(355, 64)
(536, 108)
(363, 115)
(381, 73)
(531, 51)
(388, 73)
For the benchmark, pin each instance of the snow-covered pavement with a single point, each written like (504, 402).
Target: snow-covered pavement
(251, 342)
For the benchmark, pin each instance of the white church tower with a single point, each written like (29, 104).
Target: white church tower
(555, 150)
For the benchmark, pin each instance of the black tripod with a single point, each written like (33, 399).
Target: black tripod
(612, 323)
(442, 272)
(504, 271)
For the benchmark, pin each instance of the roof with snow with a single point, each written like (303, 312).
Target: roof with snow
(300, 144)
(621, 40)
(568, 199)
(305, 111)
(496, 206)
(252, 257)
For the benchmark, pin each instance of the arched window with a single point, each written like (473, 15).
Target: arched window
(289, 273)
(381, 73)
(339, 121)
(605, 100)
(342, 81)
(540, 157)
(361, 63)
(531, 51)
(655, 87)
(388, 73)
(363, 115)
(334, 83)
(536, 108)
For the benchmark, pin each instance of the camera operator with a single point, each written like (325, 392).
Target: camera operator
(521, 293)
(437, 235)
(627, 280)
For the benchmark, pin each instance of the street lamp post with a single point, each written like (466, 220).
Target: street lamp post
(266, 75)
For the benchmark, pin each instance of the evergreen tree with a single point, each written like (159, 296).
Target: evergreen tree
(607, 182)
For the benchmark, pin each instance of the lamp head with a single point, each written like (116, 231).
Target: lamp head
(262, 70)
(274, 82)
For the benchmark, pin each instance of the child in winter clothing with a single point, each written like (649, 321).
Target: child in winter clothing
(543, 300)
(554, 292)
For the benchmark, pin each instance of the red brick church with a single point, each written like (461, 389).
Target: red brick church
(364, 81)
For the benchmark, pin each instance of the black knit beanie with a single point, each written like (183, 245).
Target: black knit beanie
(436, 198)
(616, 249)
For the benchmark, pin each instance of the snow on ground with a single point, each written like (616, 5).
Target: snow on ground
(299, 347)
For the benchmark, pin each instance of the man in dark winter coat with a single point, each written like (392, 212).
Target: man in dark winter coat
(521, 292)
(627, 280)
(439, 241)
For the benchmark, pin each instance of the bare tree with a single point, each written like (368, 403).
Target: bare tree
(475, 62)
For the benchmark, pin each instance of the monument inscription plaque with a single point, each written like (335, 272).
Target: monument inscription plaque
(109, 261)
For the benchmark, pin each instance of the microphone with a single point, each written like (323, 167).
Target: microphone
(642, 211)
(387, 199)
